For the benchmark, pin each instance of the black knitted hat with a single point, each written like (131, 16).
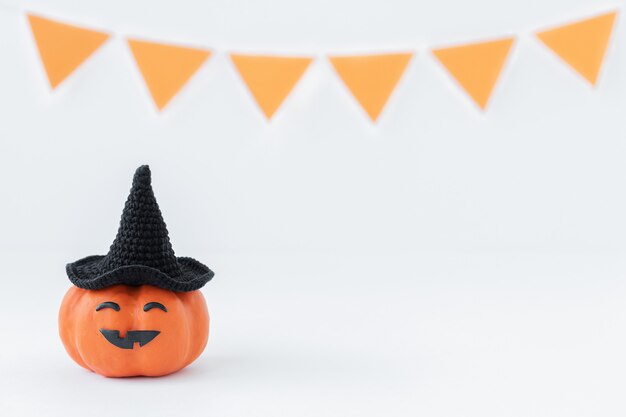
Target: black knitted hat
(141, 253)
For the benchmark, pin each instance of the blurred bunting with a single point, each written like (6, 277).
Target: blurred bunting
(270, 79)
(476, 66)
(166, 68)
(63, 47)
(371, 78)
(582, 44)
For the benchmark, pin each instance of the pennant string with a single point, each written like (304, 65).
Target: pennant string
(371, 79)
(270, 79)
(581, 44)
(62, 47)
(166, 68)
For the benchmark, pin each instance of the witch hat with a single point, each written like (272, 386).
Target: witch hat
(141, 253)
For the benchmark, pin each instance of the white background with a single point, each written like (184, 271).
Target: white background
(443, 262)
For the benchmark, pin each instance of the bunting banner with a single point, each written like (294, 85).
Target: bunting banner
(62, 47)
(476, 66)
(270, 79)
(582, 45)
(371, 79)
(166, 68)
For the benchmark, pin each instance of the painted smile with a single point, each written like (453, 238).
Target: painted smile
(143, 337)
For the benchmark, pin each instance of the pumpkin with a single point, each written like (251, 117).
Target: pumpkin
(123, 330)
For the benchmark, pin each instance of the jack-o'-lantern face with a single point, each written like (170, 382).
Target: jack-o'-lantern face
(143, 337)
(129, 331)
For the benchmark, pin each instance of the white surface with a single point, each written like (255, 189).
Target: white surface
(444, 262)
(440, 335)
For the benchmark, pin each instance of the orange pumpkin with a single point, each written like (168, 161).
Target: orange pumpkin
(124, 330)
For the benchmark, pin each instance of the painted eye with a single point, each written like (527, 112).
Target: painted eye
(154, 304)
(108, 304)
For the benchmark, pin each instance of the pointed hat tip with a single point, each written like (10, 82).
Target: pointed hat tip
(142, 175)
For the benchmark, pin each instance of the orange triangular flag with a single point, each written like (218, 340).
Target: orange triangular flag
(166, 68)
(582, 44)
(63, 47)
(371, 78)
(477, 66)
(270, 79)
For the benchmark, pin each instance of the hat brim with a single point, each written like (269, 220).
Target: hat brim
(85, 273)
